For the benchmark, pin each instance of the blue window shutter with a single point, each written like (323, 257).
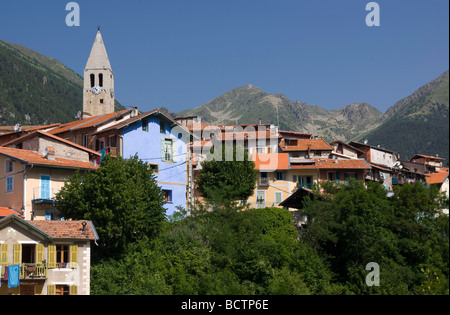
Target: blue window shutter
(45, 187)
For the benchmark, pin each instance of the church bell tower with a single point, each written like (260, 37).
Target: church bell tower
(98, 91)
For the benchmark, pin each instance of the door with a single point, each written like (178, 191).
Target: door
(45, 187)
(27, 290)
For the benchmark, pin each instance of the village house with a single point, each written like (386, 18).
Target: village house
(162, 143)
(53, 256)
(30, 180)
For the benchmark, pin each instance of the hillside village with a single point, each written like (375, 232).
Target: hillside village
(37, 161)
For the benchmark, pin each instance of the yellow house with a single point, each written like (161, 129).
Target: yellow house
(274, 183)
(53, 256)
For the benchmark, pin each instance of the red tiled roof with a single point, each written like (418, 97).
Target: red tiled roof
(86, 123)
(67, 229)
(385, 168)
(5, 212)
(322, 163)
(47, 134)
(427, 157)
(271, 161)
(437, 178)
(10, 129)
(33, 158)
(306, 144)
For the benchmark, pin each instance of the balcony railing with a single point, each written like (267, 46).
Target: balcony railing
(40, 195)
(264, 181)
(30, 271)
(33, 271)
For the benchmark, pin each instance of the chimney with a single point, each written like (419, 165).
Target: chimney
(49, 153)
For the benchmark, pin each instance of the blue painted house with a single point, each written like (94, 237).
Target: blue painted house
(161, 142)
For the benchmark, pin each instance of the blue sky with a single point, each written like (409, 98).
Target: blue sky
(182, 53)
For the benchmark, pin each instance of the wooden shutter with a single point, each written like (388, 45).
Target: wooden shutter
(39, 288)
(174, 152)
(51, 256)
(17, 258)
(73, 290)
(73, 256)
(39, 253)
(4, 254)
(51, 289)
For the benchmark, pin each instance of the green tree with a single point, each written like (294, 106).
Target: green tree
(354, 224)
(121, 198)
(223, 182)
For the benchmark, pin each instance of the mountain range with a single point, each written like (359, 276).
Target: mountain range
(35, 89)
(417, 124)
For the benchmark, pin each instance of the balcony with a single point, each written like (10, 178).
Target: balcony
(264, 181)
(44, 196)
(33, 272)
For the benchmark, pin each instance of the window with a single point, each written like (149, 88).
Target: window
(167, 196)
(162, 127)
(167, 150)
(145, 125)
(278, 197)
(9, 184)
(154, 168)
(62, 254)
(62, 290)
(9, 167)
(260, 199)
(28, 253)
(85, 141)
(305, 181)
(112, 141)
(45, 187)
(92, 80)
(264, 179)
(279, 175)
(100, 80)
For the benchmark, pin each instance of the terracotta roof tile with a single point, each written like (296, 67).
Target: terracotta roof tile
(271, 161)
(322, 163)
(47, 134)
(305, 145)
(67, 229)
(31, 157)
(5, 212)
(437, 178)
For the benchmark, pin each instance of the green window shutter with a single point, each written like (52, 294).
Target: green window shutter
(338, 177)
(39, 253)
(163, 156)
(174, 153)
(73, 290)
(4, 255)
(38, 289)
(73, 256)
(51, 289)
(51, 256)
(17, 258)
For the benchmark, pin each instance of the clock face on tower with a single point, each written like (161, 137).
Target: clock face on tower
(96, 90)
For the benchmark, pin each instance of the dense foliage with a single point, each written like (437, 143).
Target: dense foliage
(121, 198)
(260, 252)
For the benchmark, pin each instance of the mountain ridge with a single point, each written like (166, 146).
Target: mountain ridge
(36, 89)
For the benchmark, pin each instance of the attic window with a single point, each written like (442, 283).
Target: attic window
(145, 125)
